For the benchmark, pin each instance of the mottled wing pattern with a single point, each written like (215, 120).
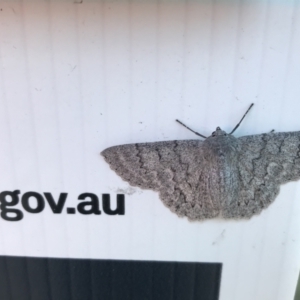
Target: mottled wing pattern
(173, 168)
(265, 162)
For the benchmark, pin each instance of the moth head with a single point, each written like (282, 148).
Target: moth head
(218, 132)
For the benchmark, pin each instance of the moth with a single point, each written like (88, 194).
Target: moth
(220, 176)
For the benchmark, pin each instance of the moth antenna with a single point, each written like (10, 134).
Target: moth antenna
(239, 123)
(190, 129)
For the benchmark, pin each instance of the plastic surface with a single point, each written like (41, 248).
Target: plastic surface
(78, 78)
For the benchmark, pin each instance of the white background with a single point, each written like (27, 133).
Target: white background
(78, 78)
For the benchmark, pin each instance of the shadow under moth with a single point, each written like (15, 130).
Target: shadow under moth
(221, 176)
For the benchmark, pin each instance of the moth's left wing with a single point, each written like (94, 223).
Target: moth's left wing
(172, 168)
(265, 162)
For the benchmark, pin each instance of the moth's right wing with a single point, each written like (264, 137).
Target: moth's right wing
(173, 168)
